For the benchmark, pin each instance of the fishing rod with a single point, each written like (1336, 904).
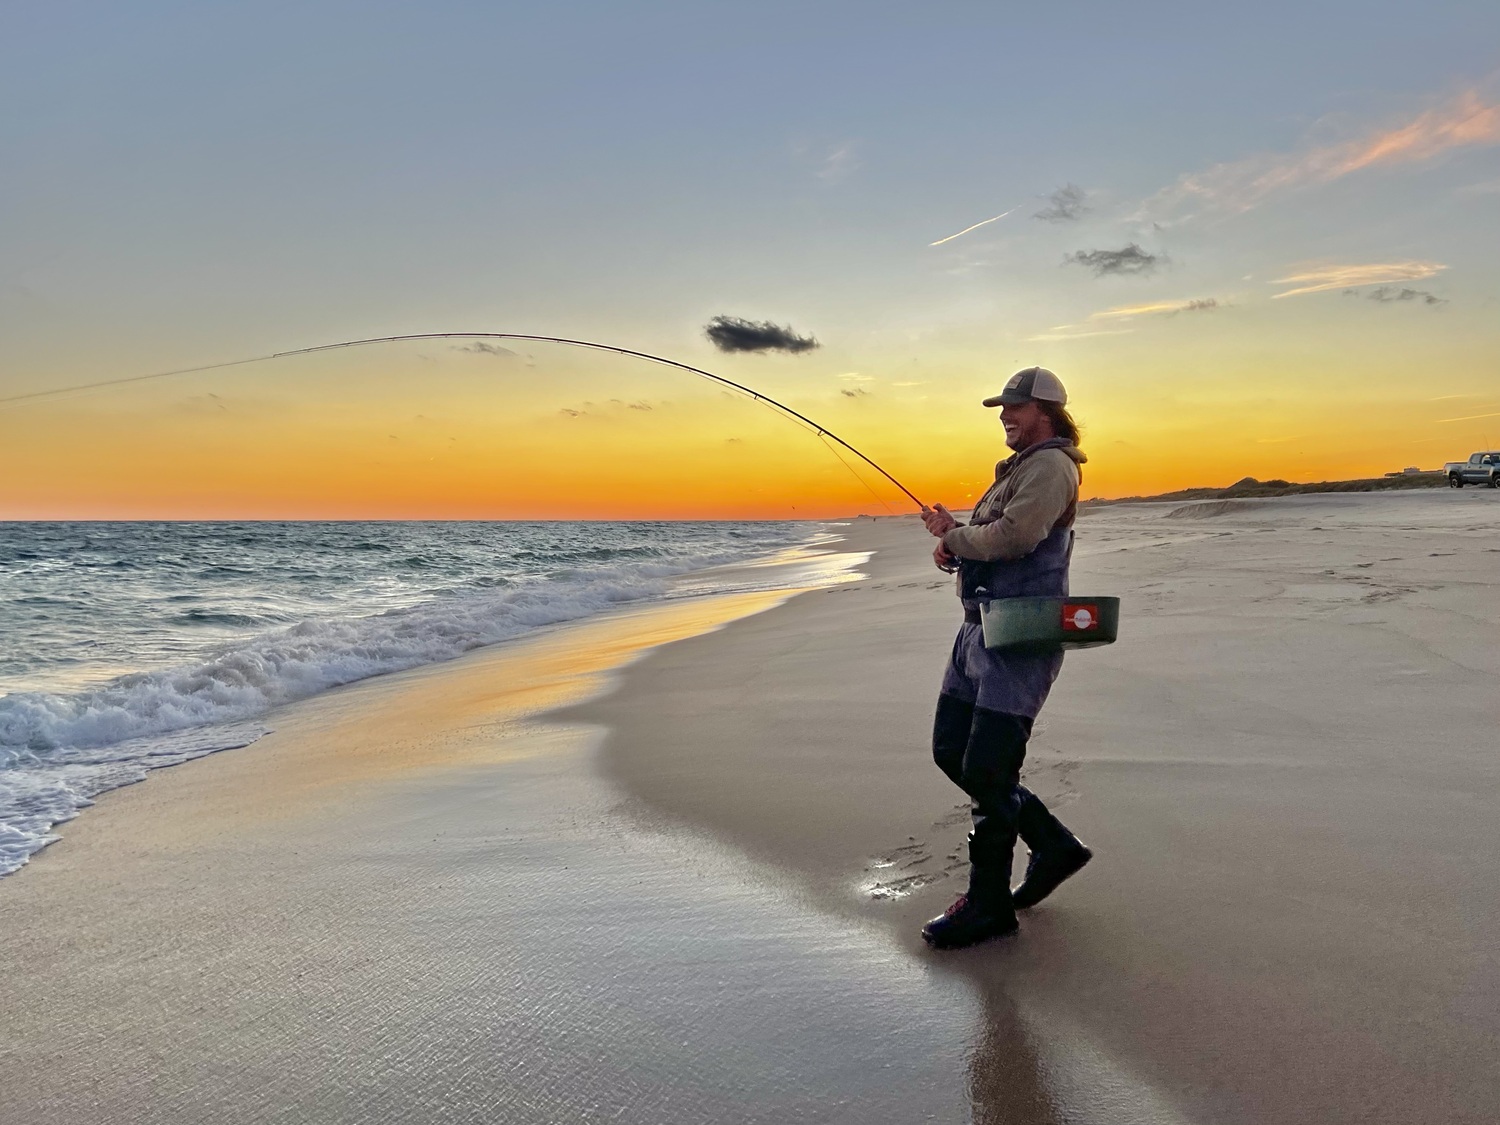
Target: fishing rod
(821, 431)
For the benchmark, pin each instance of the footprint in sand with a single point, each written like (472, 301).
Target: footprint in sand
(900, 888)
(885, 877)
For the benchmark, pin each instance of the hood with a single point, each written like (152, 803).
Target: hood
(1078, 455)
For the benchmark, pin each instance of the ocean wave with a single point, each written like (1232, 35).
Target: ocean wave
(34, 801)
(312, 656)
(225, 617)
(60, 748)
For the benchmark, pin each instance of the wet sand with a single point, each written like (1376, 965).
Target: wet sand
(484, 891)
(1288, 768)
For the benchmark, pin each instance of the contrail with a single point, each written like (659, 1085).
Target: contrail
(754, 394)
(976, 226)
(1469, 418)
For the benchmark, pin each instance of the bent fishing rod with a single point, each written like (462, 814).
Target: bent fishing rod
(757, 396)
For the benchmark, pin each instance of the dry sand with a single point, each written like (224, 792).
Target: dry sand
(695, 898)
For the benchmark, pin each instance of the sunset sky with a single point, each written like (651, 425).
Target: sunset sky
(1252, 240)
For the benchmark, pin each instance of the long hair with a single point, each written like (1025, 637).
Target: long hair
(1062, 422)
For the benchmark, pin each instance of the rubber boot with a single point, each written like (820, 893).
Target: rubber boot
(1056, 854)
(982, 913)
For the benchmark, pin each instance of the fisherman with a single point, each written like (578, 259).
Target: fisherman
(1017, 544)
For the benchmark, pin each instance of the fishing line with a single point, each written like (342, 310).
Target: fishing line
(821, 431)
(854, 473)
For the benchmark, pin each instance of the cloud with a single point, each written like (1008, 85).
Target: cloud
(839, 163)
(1386, 294)
(1355, 276)
(1129, 260)
(1065, 205)
(735, 334)
(1157, 308)
(855, 392)
(976, 226)
(1071, 332)
(1238, 186)
(615, 404)
(1471, 417)
(483, 347)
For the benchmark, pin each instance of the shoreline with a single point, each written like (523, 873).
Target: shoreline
(415, 901)
(223, 692)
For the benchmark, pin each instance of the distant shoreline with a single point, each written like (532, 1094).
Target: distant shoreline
(1250, 487)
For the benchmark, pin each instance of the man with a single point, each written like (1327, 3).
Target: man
(1017, 544)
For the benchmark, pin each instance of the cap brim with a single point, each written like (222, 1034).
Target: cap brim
(1007, 399)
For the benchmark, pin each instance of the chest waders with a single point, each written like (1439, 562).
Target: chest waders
(985, 710)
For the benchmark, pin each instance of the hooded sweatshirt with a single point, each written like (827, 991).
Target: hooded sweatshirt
(1022, 525)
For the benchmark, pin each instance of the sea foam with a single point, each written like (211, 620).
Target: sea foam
(60, 749)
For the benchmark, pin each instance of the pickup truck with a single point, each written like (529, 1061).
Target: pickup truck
(1480, 468)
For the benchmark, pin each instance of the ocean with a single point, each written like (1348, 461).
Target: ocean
(125, 647)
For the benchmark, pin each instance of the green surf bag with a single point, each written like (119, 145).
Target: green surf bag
(1049, 624)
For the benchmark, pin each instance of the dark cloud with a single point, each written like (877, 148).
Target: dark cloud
(735, 334)
(855, 392)
(1064, 205)
(1201, 305)
(483, 347)
(1129, 260)
(1387, 293)
(571, 413)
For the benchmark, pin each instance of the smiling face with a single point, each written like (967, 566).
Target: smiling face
(1025, 424)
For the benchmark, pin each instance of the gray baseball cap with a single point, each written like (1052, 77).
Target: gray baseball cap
(1030, 383)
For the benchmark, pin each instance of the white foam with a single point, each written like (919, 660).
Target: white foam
(58, 751)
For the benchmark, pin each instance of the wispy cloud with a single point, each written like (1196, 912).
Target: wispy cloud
(1471, 417)
(1464, 121)
(1354, 276)
(1157, 308)
(483, 347)
(976, 226)
(1130, 259)
(1064, 205)
(1076, 332)
(596, 408)
(841, 162)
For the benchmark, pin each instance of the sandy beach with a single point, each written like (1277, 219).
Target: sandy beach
(669, 865)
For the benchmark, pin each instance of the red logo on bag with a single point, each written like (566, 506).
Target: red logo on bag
(1080, 618)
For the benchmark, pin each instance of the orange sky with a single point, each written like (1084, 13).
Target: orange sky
(428, 431)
